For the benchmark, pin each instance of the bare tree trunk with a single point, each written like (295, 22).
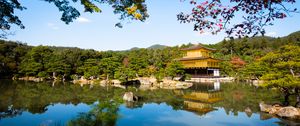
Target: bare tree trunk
(106, 82)
(297, 97)
(292, 72)
(54, 75)
(286, 97)
(64, 77)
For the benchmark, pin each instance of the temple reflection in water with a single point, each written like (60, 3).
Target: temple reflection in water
(202, 97)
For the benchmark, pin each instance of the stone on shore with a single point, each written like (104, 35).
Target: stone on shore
(167, 83)
(147, 80)
(264, 107)
(115, 82)
(35, 79)
(130, 97)
(172, 84)
(103, 83)
(288, 112)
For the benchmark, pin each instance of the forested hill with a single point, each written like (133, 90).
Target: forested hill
(19, 59)
(241, 56)
(261, 42)
(256, 46)
(155, 46)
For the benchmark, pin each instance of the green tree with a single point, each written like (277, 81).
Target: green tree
(90, 69)
(11, 54)
(227, 69)
(109, 66)
(174, 68)
(58, 66)
(283, 70)
(254, 70)
(124, 73)
(36, 61)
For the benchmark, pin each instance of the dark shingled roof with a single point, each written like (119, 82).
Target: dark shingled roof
(199, 47)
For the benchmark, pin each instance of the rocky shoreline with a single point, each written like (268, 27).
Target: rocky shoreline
(35, 79)
(218, 79)
(145, 83)
(283, 112)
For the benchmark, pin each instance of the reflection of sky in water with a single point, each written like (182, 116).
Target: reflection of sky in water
(148, 115)
(158, 115)
(56, 114)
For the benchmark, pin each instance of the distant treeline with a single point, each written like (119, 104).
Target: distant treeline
(19, 60)
(239, 55)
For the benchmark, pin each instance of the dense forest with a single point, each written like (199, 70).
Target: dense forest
(18, 60)
(240, 55)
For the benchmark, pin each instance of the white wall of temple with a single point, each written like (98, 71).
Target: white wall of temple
(216, 72)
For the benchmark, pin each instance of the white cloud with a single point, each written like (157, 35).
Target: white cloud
(83, 20)
(272, 34)
(52, 26)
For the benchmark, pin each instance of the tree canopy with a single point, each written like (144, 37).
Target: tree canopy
(239, 55)
(211, 15)
(132, 9)
(216, 15)
(282, 70)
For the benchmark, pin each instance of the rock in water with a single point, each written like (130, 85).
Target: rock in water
(290, 112)
(128, 96)
(248, 111)
(264, 107)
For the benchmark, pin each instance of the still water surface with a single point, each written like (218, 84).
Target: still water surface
(47, 104)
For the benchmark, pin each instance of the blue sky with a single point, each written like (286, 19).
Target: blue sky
(97, 31)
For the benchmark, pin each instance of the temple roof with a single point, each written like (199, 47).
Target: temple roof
(195, 58)
(195, 47)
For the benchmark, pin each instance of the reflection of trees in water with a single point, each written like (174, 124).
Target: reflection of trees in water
(103, 114)
(106, 112)
(35, 97)
(10, 112)
(235, 97)
(238, 96)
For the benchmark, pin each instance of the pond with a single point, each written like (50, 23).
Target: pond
(212, 104)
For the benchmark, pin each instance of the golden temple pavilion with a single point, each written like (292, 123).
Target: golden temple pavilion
(198, 61)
